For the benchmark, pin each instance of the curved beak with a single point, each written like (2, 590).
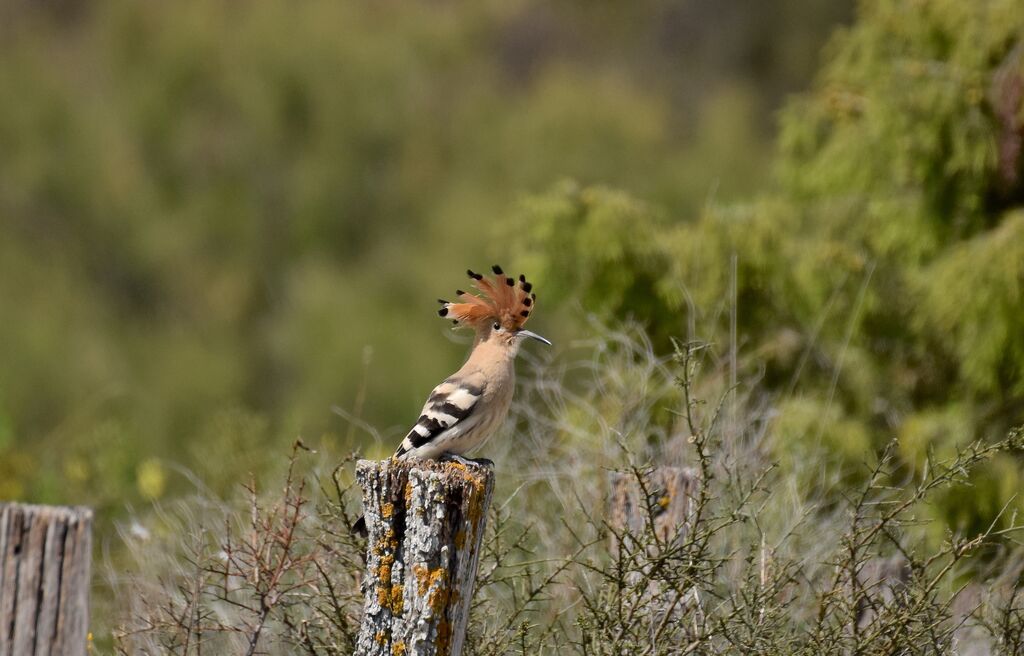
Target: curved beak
(528, 333)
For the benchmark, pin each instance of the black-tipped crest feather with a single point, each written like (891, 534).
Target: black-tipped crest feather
(506, 303)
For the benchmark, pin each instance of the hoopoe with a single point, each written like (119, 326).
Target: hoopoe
(464, 410)
(467, 407)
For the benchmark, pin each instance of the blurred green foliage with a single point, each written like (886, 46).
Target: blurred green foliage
(219, 218)
(877, 284)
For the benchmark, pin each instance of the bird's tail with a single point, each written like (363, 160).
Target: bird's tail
(360, 526)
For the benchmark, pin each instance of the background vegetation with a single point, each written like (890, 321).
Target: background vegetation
(222, 219)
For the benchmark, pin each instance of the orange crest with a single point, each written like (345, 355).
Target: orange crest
(502, 300)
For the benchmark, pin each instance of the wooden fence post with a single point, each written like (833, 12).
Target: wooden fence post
(45, 556)
(670, 492)
(425, 522)
(663, 502)
(879, 583)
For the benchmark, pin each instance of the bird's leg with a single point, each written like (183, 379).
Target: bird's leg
(465, 462)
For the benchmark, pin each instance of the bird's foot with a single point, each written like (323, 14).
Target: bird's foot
(465, 462)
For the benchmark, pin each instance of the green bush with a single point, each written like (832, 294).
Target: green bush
(879, 284)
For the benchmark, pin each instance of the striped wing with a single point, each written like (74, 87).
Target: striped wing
(449, 408)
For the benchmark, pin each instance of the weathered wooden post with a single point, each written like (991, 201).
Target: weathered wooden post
(662, 500)
(425, 522)
(879, 582)
(669, 496)
(45, 556)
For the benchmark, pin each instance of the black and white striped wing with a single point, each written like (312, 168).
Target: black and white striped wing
(447, 413)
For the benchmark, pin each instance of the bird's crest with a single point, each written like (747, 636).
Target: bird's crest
(503, 299)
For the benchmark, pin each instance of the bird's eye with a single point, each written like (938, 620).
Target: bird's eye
(496, 326)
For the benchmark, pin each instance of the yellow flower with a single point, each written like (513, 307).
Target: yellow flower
(76, 470)
(151, 479)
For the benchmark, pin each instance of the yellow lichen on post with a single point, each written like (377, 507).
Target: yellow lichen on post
(438, 599)
(396, 599)
(478, 491)
(421, 573)
(455, 467)
(444, 637)
(433, 585)
(384, 569)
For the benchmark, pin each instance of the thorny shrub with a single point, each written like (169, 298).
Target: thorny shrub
(759, 563)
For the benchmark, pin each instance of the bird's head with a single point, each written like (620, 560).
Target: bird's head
(499, 313)
(499, 334)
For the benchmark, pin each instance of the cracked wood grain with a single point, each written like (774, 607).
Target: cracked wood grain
(45, 556)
